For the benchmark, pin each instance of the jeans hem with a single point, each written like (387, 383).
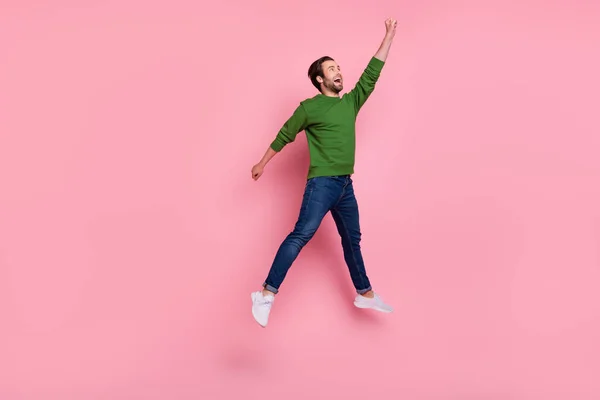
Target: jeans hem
(363, 291)
(270, 288)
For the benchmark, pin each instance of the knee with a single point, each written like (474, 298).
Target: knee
(303, 234)
(354, 235)
(351, 241)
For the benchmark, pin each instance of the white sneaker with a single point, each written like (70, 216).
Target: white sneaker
(375, 303)
(261, 307)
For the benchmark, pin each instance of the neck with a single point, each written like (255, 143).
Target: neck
(329, 93)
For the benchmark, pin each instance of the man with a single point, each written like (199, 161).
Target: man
(328, 120)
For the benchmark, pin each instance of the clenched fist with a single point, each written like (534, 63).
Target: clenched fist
(257, 171)
(390, 26)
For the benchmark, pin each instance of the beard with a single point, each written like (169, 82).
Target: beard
(334, 87)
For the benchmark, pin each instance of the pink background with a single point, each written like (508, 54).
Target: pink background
(131, 233)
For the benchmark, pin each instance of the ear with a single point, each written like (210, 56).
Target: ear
(319, 79)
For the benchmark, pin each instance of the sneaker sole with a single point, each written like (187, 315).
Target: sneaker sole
(357, 305)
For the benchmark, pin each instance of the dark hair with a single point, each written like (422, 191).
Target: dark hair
(316, 70)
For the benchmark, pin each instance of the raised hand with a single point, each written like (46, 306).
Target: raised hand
(390, 27)
(390, 31)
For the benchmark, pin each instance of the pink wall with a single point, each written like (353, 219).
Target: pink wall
(131, 233)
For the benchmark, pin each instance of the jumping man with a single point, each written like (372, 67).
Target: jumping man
(328, 120)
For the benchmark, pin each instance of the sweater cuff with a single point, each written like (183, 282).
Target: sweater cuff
(277, 145)
(376, 63)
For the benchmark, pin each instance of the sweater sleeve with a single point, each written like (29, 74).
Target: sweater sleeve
(288, 132)
(366, 83)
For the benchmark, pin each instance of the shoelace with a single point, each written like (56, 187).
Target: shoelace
(265, 302)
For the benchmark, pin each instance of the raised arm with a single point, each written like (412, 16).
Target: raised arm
(386, 44)
(287, 134)
(366, 83)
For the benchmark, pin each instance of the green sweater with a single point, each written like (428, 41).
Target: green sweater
(329, 124)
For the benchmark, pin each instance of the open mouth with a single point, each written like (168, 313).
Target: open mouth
(337, 80)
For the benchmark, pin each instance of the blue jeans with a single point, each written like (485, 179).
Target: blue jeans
(322, 195)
